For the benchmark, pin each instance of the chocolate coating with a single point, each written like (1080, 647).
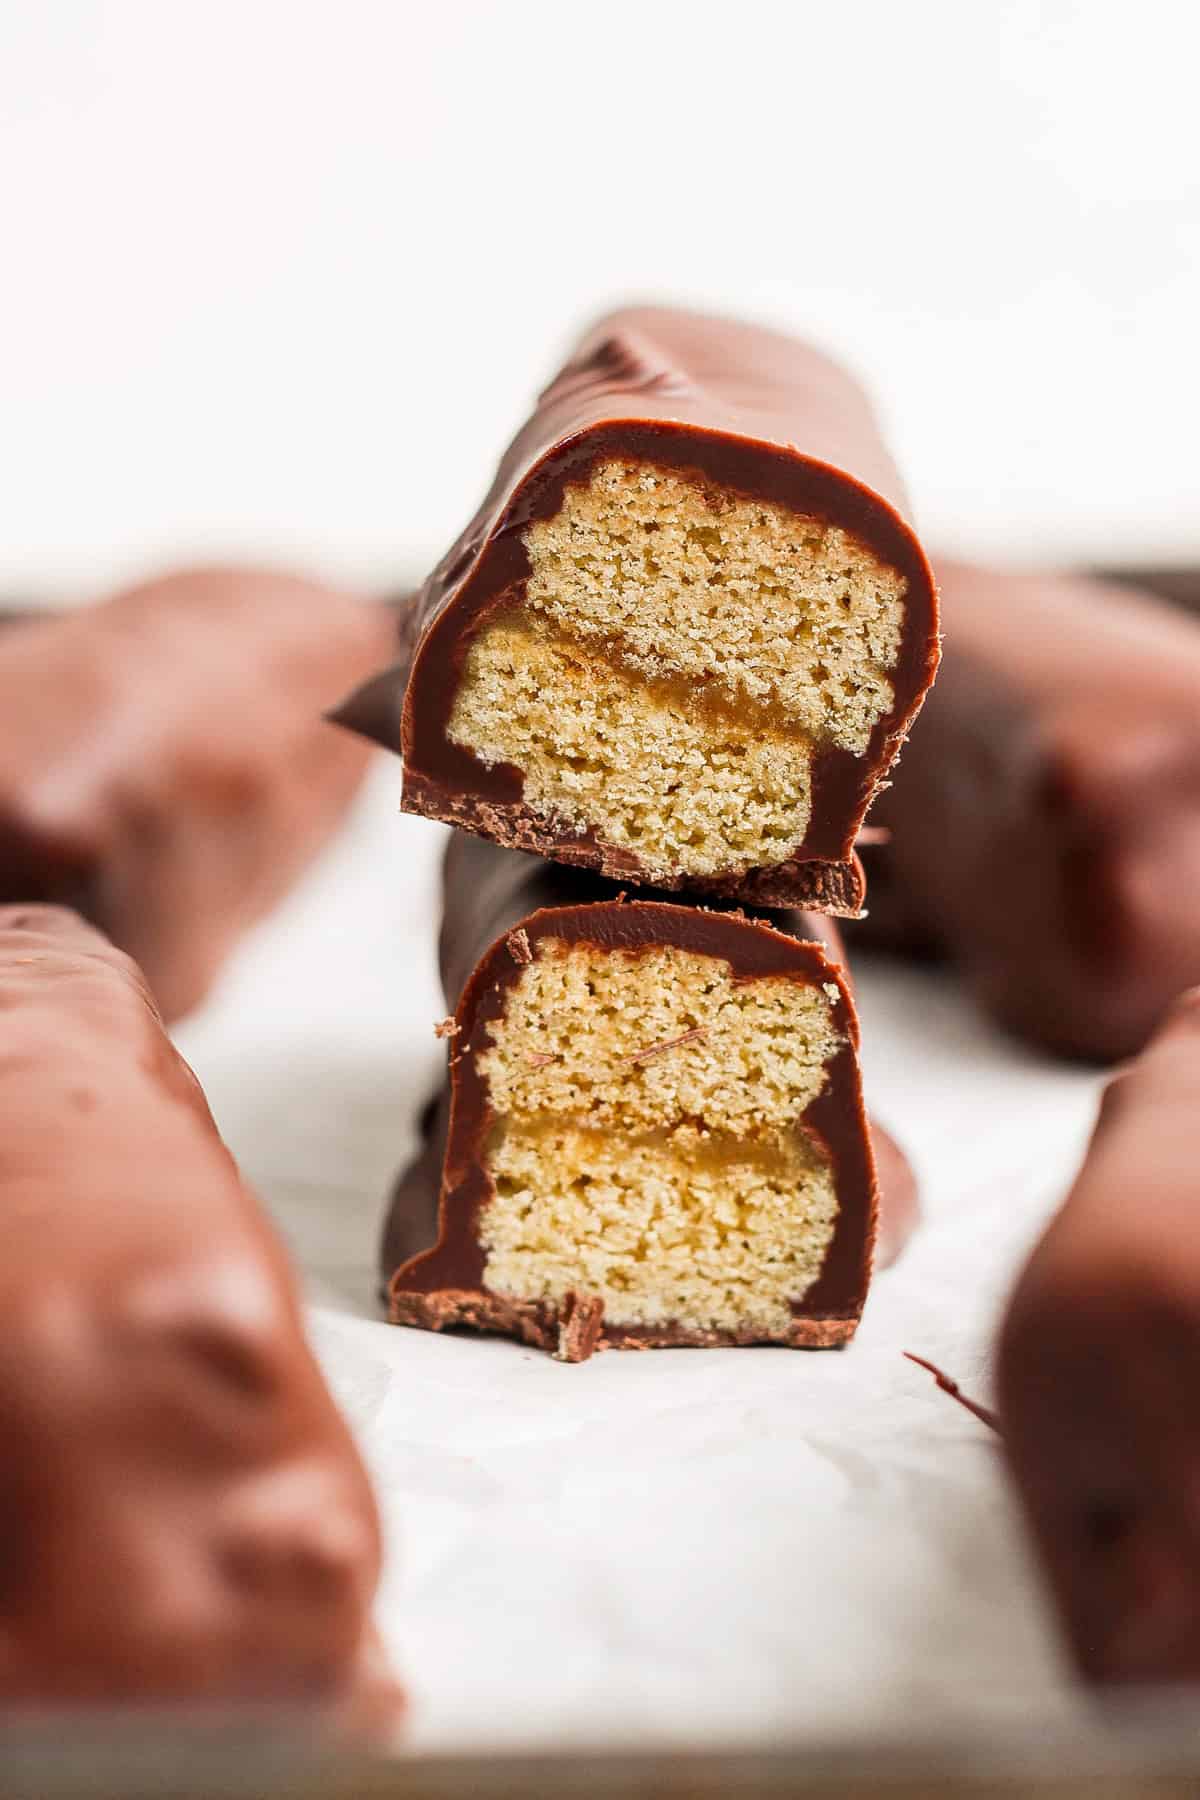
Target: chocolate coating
(164, 767)
(184, 1515)
(899, 1203)
(489, 892)
(1177, 582)
(1097, 1377)
(1045, 821)
(747, 409)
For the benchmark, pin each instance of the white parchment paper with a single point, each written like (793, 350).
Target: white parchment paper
(681, 1547)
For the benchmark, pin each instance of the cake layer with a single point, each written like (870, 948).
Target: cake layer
(676, 1228)
(778, 612)
(612, 757)
(634, 1040)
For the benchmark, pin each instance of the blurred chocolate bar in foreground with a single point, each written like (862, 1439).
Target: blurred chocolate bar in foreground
(186, 1520)
(1097, 1378)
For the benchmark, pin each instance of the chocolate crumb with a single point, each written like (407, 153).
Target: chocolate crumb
(579, 1326)
(949, 1386)
(518, 945)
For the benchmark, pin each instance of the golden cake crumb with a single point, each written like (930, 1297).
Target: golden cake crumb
(647, 1149)
(679, 656)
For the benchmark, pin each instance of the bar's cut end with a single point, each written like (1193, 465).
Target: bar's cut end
(683, 639)
(679, 659)
(655, 1140)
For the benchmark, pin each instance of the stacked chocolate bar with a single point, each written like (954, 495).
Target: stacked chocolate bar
(677, 649)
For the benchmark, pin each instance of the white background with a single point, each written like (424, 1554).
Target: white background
(280, 278)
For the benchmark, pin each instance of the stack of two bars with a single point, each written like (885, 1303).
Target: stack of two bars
(677, 650)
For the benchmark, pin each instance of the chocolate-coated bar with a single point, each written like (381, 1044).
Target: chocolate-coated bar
(1178, 582)
(486, 892)
(683, 638)
(1097, 1377)
(185, 1517)
(164, 766)
(657, 1135)
(1045, 819)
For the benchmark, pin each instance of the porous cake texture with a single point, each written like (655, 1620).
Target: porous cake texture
(679, 657)
(647, 1148)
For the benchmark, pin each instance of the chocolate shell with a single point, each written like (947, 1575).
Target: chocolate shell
(487, 893)
(616, 1174)
(1045, 821)
(1096, 1377)
(185, 1518)
(164, 766)
(685, 635)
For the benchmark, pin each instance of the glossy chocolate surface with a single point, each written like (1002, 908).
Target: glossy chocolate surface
(164, 766)
(746, 409)
(1177, 582)
(1045, 818)
(184, 1516)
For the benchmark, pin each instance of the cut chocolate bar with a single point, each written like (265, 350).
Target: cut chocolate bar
(684, 637)
(184, 1515)
(487, 891)
(1045, 823)
(654, 1133)
(164, 766)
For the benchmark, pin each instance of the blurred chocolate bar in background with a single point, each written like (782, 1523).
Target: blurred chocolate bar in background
(1045, 817)
(164, 765)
